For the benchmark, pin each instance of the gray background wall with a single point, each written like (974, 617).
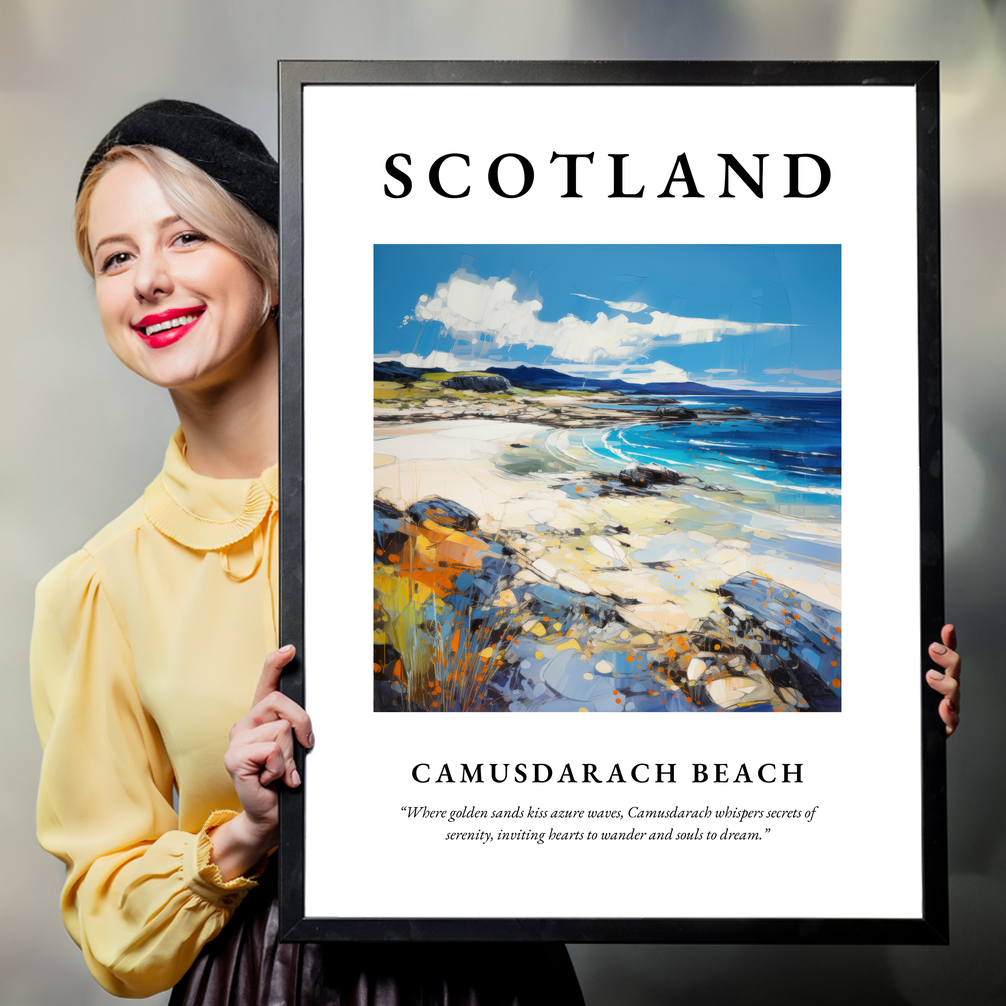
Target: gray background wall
(82, 436)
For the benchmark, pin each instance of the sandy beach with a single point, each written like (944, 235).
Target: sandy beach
(550, 581)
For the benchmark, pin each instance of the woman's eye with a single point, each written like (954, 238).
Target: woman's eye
(114, 261)
(190, 238)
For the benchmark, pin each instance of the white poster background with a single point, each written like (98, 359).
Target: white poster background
(860, 856)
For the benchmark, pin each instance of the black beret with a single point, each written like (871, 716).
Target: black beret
(230, 154)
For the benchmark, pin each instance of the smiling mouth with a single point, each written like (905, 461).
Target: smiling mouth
(166, 324)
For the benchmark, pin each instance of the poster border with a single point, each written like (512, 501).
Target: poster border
(933, 925)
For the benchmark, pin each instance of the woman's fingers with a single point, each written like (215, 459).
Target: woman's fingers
(274, 766)
(949, 636)
(260, 761)
(947, 680)
(948, 659)
(950, 690)
(261, 749)
(950, 716)
(277, 735)
(277, 706)
(947, 686)
(270, 703)
(271, 671)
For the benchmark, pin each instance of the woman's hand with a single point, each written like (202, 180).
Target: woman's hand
(947, 682)
(260, 753)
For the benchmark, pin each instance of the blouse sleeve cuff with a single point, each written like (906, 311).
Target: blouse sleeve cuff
(202, 876)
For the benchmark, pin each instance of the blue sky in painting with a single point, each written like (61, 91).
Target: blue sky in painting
(755, 316)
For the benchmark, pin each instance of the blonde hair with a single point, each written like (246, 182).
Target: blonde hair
(199, 200)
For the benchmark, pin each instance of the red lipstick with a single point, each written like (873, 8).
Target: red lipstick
(166, 327)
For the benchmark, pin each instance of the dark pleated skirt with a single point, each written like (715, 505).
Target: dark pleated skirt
(246, 965)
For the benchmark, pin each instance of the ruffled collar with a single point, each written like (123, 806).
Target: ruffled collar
(203, 513)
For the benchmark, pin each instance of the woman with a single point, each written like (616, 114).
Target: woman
(149, 642)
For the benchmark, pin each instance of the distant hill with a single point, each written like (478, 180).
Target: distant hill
(545, 379)
(553, 380)
(392, 370)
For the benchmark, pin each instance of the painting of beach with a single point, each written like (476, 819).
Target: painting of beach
(607, 478)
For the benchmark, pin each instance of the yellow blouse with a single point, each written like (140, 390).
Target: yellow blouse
(147, 647)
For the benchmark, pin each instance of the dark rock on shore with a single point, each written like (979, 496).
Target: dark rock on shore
(799, 639)
(385, 514)
(736, 410)
(643, 400)
(646, 475)
(443, 513)
(676, 412)
(483, 384)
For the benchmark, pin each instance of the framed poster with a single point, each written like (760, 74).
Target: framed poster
(656, 437)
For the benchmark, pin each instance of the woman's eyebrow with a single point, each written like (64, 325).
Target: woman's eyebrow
(160, 225)
(109, 240)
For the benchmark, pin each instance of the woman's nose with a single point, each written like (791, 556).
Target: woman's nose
(152, 277)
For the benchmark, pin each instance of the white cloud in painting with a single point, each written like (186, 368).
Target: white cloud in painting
(632, 306)
(659, 370)
(438, 358)
(471, 308)
(720, 370)
(639, 373)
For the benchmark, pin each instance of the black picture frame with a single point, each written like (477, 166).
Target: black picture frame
(931, 927)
